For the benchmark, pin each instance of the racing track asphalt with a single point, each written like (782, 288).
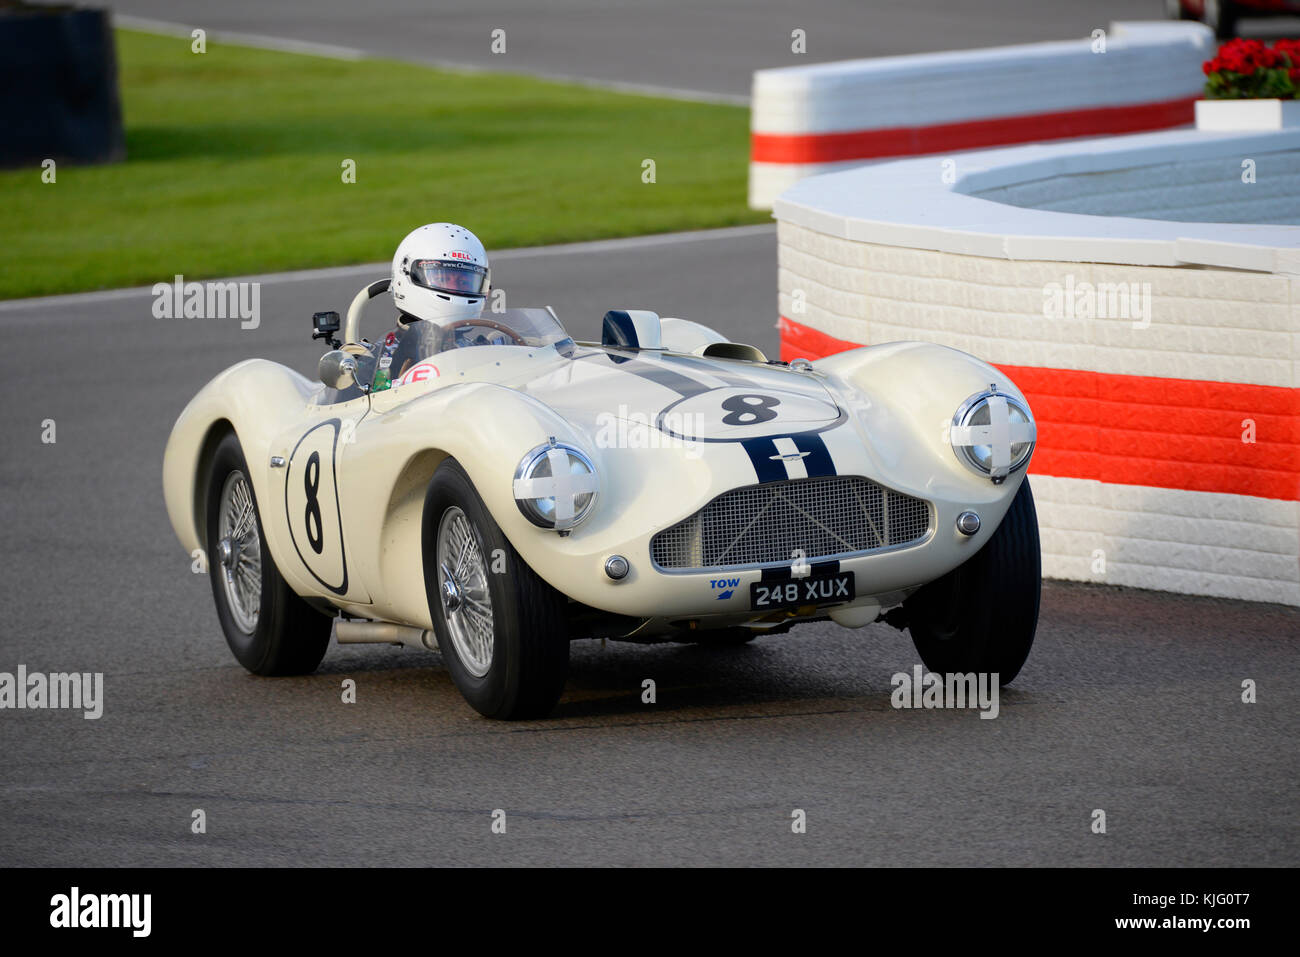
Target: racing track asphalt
(1129, 703)
(707, 46)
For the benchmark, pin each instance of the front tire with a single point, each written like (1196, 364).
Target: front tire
(982, 615)
(501, 629)
(270, 630)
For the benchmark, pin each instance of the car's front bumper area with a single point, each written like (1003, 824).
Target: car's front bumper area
(721, 595)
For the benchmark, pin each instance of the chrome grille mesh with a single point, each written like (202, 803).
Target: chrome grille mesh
(769, 523)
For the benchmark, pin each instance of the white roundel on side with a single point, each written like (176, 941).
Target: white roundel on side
(312, 506)
(420, 372)
(736, 414)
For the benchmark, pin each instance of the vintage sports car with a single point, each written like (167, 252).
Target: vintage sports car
(511, 490)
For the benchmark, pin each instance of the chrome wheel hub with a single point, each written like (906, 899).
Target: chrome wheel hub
(466, 599)
(451, 596)
(239, 551)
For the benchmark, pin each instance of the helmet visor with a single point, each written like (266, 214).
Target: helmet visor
(449, 276)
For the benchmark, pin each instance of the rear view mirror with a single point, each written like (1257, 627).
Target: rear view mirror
(337, 369)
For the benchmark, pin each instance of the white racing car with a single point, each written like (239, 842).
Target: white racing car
(515, 490)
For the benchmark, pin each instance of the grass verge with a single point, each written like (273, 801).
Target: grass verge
(235, 165)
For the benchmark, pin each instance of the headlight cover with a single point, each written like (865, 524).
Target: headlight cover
(993, 434)
(556, 486)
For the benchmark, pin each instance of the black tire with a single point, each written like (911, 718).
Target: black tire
(290, 637)
(982, 615)
(530, 644)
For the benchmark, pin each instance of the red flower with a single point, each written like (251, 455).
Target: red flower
(1245, 67)
(1290, 49)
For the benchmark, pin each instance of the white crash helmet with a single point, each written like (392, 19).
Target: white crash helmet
(440, 273)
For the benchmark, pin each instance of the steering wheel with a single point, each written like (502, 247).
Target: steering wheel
(352, 325)
(515, 338)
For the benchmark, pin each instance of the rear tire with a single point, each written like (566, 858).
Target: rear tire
(270, 630)
(502, 630)
(982, 615)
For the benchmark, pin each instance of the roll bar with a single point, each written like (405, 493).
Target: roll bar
(352, 325)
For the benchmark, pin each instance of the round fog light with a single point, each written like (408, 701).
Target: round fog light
(617, 567)
(968, 523)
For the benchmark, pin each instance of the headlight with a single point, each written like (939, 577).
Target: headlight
(993, 434)
(555, 486)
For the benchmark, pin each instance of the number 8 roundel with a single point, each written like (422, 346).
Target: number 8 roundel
(311, 506)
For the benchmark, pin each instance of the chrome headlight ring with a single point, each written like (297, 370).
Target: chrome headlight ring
(555, 486)
(993, 434)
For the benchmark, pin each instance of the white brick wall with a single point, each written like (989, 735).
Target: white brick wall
(1231, 546)
(894, 252)
(1219, 325)
(1143, 63)
(1213, 324)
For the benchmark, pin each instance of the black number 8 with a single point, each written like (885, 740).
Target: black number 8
(749, 409)
(311, 482)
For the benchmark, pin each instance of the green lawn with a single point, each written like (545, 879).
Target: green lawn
(234, 166)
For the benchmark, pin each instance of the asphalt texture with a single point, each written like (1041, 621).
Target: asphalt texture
(710, 46)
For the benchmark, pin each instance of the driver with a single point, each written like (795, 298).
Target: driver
(440, 278)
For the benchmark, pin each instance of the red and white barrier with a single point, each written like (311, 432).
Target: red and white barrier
(829, 116)
(1161, 358)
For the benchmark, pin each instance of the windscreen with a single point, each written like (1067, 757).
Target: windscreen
(395, 355)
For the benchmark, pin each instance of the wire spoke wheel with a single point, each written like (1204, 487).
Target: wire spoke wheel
(269, 628)
(463, 585)
(239, 552)
(502, 629)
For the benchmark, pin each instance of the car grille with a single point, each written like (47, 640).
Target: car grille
(774, 522)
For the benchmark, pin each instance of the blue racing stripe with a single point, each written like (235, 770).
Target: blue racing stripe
(762, 455)
(818, 461)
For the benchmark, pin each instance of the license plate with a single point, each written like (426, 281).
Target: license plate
(793, 592)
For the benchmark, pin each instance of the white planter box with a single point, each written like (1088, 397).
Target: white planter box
(1228, 116)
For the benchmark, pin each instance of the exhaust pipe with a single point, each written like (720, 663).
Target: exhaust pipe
(361, 631)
